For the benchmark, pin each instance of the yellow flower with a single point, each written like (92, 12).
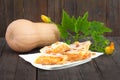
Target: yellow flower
(46, 19)
(110, 49)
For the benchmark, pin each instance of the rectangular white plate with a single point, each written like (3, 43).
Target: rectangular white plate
(32, 57)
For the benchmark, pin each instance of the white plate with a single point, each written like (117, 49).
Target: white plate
(32, 57)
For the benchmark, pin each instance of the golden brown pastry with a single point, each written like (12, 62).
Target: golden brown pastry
(51, 59)
(60, 53)
(74, 55)
(80, 45)
(58, 47)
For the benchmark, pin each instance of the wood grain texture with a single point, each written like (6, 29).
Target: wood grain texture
(51, 9)
(24, 72)
(9, 11)
(106, 11)
(2, 44)
(63, 74)
(12, 67)
(95, 8)
(116, 56)
(89, 71)
(2, 19)
(109, 65)
(30, 10)
(113, 16)
(8, 64)
(18, 9)
(42, 8)
(105, 67)
(69, 6)
(58, 11)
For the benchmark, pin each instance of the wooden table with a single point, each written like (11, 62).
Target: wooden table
(12, 67)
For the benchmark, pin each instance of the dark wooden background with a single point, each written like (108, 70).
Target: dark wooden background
(107, 11)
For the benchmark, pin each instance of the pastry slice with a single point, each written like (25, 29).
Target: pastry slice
(75, 55)
(51, 59)
(81, 45)
(58, 47)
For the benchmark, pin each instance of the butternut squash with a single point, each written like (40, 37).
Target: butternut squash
(24, 35)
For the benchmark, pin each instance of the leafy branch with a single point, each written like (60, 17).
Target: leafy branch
(79, 29)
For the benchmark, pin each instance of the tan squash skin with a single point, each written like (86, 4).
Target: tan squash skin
(24, 35)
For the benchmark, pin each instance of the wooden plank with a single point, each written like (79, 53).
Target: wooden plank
(25, 71)
(107, 68)
(8, 64)
(42, 7)
(30, 10)
(69, 6)
(106, 11)
(51, 9)
(12, 67)
(83, 72)
(8, 14)
(116, 55)
(18, 9)
(89, 71)
(108, 65)
(9, 9)
(2, 44)
(2, 18)
(34, 8)
(58, 11)
(55, 10)
(95, 8)
(62, 74)
(113, 17)
(86, 71)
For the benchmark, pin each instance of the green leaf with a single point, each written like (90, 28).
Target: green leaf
(82, 24)
(68, 22)
(77, 24)
(73, 19)
(99, 27)
(99, 43)
(63, 33)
